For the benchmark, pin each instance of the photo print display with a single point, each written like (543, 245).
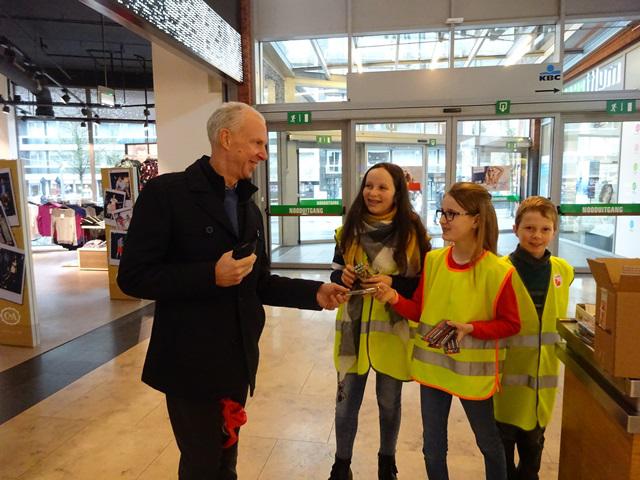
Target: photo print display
(7, 198)
(114, 201)
(11, 273)
(120, 180)
(122, 219)
(118, 238)
(6, 235)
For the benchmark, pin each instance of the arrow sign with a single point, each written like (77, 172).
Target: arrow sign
(554, 90)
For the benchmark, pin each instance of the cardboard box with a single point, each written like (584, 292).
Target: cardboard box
(617, 315)
(586, 312)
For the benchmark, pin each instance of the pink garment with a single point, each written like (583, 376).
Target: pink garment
(44, 218)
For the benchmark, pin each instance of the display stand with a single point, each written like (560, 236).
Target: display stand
(600, 435)
(93, 258)
(118, 214)
(18, 317)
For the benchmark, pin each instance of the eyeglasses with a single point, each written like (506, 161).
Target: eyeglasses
(449, 215)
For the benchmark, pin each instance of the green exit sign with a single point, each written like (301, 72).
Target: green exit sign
(503, 107)
(298, 118)
(323, 139)
(621, 107)
(512, 145)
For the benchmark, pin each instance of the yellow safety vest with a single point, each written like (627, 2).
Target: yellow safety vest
(462, 296)
(530, 376)
(381, 348)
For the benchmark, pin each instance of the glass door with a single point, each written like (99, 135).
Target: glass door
(420, 149)
(511, 158)
(600, 170)
(305, 196)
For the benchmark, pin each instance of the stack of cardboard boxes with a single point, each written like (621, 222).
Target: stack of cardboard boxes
(617, 335)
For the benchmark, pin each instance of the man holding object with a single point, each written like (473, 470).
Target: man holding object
(209, 306)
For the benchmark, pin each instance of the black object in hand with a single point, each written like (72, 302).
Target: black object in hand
(244, 250)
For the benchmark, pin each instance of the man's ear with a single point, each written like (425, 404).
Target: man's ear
(515, 229)
(225, 138)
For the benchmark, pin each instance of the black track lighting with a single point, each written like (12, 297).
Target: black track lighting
(146, 112)
(145, 125)
(84, 111)
(83, 124)
(6, 109)
(65, 98)
(17, 98)
(23, 118)
(96, 118)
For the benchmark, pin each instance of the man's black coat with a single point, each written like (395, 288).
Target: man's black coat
(204, 342)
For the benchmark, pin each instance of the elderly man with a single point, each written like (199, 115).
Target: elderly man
(209, 314)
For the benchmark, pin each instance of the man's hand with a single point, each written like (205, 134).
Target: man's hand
(330, 295)
(348, 276)
(230, 272)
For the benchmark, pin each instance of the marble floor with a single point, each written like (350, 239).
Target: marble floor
(108, 425)
(70, 303)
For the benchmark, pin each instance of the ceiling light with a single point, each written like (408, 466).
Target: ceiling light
(84, 111)
(146, 112)
(83, 124)
(96, 118)
(145, 125)
(65, 98)
(6, 109)
(23, 118)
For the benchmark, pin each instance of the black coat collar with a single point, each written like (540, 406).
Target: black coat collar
(201, 177)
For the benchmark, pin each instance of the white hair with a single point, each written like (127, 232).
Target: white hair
(228, 115)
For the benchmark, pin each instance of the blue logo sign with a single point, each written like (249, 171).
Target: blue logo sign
(550, 74)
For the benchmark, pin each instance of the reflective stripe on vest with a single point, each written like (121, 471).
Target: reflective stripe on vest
(526, 360)
(463, 296)
(546, 381)
(474, 369)
(532, 341)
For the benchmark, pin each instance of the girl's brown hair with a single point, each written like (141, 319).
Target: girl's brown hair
(476, 200)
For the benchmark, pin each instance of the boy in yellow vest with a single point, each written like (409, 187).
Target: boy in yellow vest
(530, 376)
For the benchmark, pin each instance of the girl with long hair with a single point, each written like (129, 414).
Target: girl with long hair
(383, 242)
(465, 293)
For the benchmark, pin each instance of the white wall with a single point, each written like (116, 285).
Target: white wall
(632, 69)
(185, 97)
(282, 19)
(8, 146)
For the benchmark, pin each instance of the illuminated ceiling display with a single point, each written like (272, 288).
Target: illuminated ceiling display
(195, 25)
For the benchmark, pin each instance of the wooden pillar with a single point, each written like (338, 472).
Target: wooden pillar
(246, 90)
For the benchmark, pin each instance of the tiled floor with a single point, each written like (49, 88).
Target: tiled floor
(109, 425)
(70, 302)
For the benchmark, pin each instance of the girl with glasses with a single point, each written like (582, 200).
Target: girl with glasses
(466, 291)
(382, 242)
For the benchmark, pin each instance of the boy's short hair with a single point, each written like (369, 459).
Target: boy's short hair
(542, 205)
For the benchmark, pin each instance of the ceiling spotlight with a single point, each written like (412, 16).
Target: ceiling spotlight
(146, 112)
(6, 109)
(65, 98)
(145, 125)
(17, 98)
(96, 118)
(84, 111)
(83, 124)
(23, 118)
